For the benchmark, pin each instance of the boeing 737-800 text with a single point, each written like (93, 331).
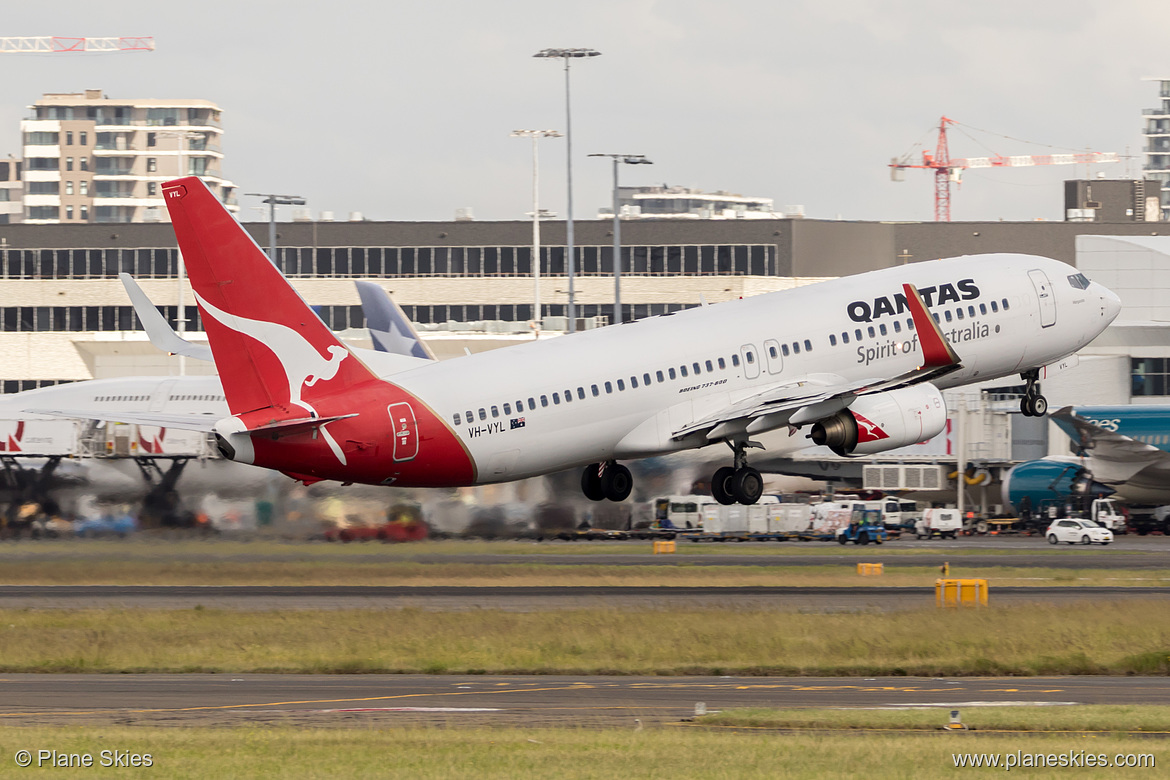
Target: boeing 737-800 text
(858, 362)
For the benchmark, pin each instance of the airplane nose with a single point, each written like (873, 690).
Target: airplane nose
(1110, 304)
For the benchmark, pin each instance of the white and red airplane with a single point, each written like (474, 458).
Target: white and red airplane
(859, 361)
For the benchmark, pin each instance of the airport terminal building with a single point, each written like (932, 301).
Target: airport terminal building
(65, 317)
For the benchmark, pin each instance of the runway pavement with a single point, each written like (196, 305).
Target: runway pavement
(27, 699)
(524, 599)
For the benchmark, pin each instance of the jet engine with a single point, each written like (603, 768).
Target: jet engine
(884, 421)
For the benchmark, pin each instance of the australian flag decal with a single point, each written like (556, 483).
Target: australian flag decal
(517, 422)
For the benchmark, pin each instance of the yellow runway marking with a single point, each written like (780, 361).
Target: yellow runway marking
(280, 703)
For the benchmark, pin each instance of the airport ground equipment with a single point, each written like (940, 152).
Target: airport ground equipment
(964, 592)
(864, 527)
(33, 451)
(942, 523)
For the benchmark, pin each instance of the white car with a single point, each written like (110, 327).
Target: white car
(1073, 531)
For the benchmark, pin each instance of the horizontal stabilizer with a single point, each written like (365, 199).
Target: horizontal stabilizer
(279, 428)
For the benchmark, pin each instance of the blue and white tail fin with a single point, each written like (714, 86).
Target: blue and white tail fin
(390, 329)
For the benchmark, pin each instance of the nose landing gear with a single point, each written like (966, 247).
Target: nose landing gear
(738, 484)
(1033, 404)
(608, 480)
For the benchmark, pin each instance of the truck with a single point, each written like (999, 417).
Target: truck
(940, 522)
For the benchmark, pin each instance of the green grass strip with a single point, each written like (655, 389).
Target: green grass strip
(263, 753)
(1115, 718)
(1086, 638)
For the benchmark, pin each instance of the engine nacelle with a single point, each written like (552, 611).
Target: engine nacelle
(884, 421)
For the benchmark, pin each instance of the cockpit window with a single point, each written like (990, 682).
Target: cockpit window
(1079, 281)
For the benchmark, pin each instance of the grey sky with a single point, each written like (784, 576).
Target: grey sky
(802, 101)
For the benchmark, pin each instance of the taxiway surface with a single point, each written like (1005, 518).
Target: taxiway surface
(200, 699)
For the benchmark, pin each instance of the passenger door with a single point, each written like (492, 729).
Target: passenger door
(1044, 296)
(751, 360)
(773, 356)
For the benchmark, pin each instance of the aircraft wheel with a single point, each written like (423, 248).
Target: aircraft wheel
(591, 483)
(721, 485)
(617, 482)
(747, 485)
(1025, 407)
(1052, 539)
(1037, 405)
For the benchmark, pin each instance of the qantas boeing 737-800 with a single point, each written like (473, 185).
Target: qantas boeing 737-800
(857, 362)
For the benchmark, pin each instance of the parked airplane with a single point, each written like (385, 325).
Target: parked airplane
(1120, 448)
(859, 361)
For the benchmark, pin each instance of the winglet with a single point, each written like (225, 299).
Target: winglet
(936, 351)
(157, 330)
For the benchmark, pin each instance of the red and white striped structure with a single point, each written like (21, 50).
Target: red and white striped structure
(50, 44)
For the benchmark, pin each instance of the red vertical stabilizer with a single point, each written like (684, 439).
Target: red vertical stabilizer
(270, 348)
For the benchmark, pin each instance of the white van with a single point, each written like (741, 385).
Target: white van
(942, 523)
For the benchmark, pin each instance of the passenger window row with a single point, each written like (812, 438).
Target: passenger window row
(131, 398)
(959, 314)
(556, 398)
(871, 332)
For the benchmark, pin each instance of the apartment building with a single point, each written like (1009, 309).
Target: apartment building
(1157, 142)
(89, 158)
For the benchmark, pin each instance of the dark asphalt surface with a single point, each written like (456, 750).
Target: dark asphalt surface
(1060, 558)
(262, 598)
(27, 699)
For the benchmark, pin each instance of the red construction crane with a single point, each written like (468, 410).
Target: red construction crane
(947, 169)
(55, 44)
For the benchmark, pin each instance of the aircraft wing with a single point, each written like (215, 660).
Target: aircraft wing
(1114, 457)
(161, 334)
(820, 395)
(186, 422)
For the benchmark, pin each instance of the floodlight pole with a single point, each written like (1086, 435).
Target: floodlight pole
(628, 159)
(180, 311)
(273, 201)
(570, 261)
(535, 135)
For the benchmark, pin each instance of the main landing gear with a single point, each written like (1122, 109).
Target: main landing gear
(608, 480)
(738, 484)
(1033, 404)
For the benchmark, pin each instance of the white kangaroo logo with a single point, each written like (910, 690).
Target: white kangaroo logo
(302, 363)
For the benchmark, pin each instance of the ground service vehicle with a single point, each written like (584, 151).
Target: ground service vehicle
(864, 527)
(938, 522)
